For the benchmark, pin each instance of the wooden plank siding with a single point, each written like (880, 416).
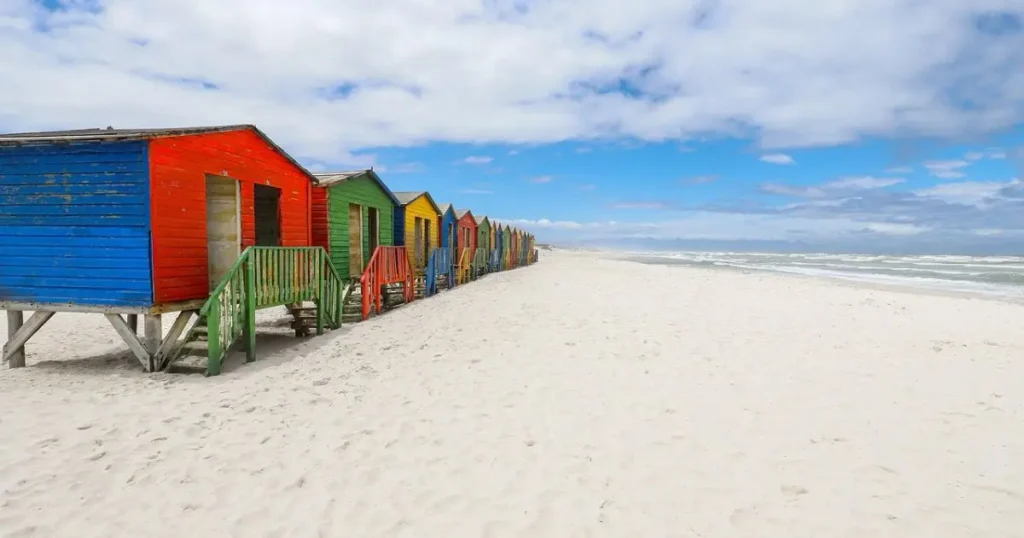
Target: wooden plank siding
(467, 231)
(178, 169)
(448, 221)
(421, 208)
(483, 234)
(318, 215)
(74, 224)
(366, 193)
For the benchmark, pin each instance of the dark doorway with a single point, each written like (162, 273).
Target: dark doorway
(373, 223)
(426, 239)
(268, 215)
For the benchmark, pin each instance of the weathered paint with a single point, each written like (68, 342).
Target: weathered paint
(448, 227)
(424, 208)
(466, 234)
(178, 169)
(333, 210)
(483, 233)
(495, 235)
(74, 224)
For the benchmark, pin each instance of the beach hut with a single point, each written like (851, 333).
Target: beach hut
(466, 240)
(143, 222)
(352, 214)
(416, 219)
(448, 225)
(514, 248)
(483, 239)
(506, 246)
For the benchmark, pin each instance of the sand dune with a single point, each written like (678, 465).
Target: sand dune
(581, 397)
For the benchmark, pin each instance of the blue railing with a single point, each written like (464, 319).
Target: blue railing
(440, 263)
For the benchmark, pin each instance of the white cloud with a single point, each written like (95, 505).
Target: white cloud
(899, 170)
(542, 179)
(477, 159)
(513, 152)
(703, 225)
(952, 169)
(965, 192)
(835, 188)
(320, 78)
(777, 158)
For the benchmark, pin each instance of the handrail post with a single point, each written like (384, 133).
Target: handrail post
(250, 309)
(320, 265)
(213, 358)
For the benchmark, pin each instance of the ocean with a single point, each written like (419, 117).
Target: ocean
(995, 276)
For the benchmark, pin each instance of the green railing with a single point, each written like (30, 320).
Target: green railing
(264, 277)
(479, 262)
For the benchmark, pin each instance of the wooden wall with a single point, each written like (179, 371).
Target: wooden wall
(74, 224)
(178, 169)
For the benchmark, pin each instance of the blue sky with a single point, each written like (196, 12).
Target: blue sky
(846, 125)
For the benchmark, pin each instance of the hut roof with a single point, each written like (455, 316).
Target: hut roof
(86, 135)
(407, 197)
(328, 179)
(462, 213)
(445, 207)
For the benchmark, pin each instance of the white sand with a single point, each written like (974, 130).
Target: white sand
(577, 397)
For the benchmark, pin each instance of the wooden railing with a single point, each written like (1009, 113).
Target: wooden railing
(439, 264)
(465, 265)
(479, 262)
(263, 277)
(494, 260)
(388, 265)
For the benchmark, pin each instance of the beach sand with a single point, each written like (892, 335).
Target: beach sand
(581, 396)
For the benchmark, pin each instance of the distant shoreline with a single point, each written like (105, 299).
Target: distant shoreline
(845, 281)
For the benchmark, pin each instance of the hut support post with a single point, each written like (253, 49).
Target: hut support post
(153, 335)
(19, 332)
(170, 343)
(130, 338)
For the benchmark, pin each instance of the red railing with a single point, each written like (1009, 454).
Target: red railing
(388, 265)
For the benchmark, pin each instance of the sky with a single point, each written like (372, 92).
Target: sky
(845, 125)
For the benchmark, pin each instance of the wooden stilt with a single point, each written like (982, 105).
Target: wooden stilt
(131, 339)
(154, 332)
(170, 343)
(133, 323)
(15, 320)
(18, 336)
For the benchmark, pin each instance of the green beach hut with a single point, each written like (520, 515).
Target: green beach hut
(352, 214)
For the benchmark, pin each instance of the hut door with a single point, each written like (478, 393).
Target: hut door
(426, 240)
(373, 222)
(355, 239)
(418, 241)
(223, 227)
(267, 213)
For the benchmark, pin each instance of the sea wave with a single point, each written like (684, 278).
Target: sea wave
(999, 276)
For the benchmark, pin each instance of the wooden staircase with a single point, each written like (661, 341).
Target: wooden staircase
(301, 278)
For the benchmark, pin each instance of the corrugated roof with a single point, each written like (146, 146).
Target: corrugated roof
(406, 197)
(84, 135)
(480, 220)
(327, 179)
(445, 207)
(461, 212)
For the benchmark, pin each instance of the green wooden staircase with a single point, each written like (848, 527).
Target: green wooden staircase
(301, 278)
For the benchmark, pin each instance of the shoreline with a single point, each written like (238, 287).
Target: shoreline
(848, 282)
